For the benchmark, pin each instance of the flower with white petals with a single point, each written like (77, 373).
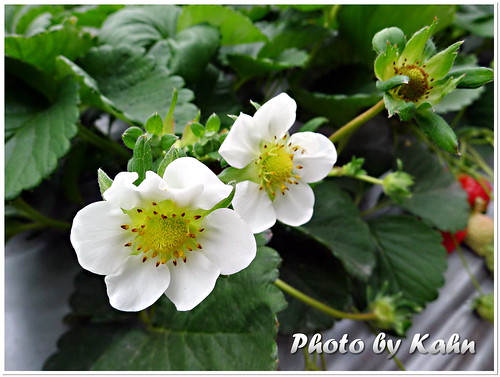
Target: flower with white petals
(161, 237)
(276, 167)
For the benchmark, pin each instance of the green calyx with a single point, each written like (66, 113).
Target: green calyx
(416, 60)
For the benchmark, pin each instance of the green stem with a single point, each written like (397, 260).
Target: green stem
(367, 178)
(33, 214)
(322, 307)
(478, 159)
(323, 361)
(350, 127)
(466, 266)
(102, 142)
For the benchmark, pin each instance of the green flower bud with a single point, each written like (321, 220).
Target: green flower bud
(485, 307)
(396, 185)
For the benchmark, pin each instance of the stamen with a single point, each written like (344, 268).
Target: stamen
(125, 227)
(201, 230)
(154, 203)
(144, 259)
(128, 244)
(196, 217)
(139, 210)
(199, 246)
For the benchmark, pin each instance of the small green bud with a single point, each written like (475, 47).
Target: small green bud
(384, 309)
(213, 123)
(485, 307)
(396, 185)
(154, 124)
(131, 135)
(198, 129)
(354, 167)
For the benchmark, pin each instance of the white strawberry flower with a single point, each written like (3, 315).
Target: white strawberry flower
(161, 238)
(277, 167)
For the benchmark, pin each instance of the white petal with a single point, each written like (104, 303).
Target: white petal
(227, 241)
(192, 281)
(123, 192)
(153, 188)
(254, 206)
(241, 145)
(296, 206)
(98, 239)
(319, 157)
(276, 116)
(186, 172)
(137, 285)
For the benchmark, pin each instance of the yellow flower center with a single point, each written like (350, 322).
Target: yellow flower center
(276, 166)
(163, 231)
(418, 86)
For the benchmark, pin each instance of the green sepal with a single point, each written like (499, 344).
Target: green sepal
(103, 180)
(438, 130)
(429, 50)
(405, 110)
(392, 36)
(131, 135)
(439, 65)
(416, 45)
(255, 104)
(154, 124)
(224, 203)
(313, 124)
(172, 154)
(142, 159)
(230, 174)
(198, 129)
(213, 123)
(393, 82)
(167, 141)
(474, 77)
(383, 65)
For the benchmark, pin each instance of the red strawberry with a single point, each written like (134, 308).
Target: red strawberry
(479, 192)
(448, 241)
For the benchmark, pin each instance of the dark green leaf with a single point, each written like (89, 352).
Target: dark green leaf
(392, 36)
(311, 268)
(438, 130)
(42, 49)
(313, 124)
(247, 66)
(334, 222)
(130, 136)
(393, 82)
(458, 99)
(409, 256)
(94, 15)
(129, 84)
(235, 28)
(338, 108)
(140, 26)
(234, 328)
(213, 123)
(192, 49)
(436, 196)
(38, 137)
(142, 159)
(477, 19)
(154, 124)
(103, 180)
(26, 14)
